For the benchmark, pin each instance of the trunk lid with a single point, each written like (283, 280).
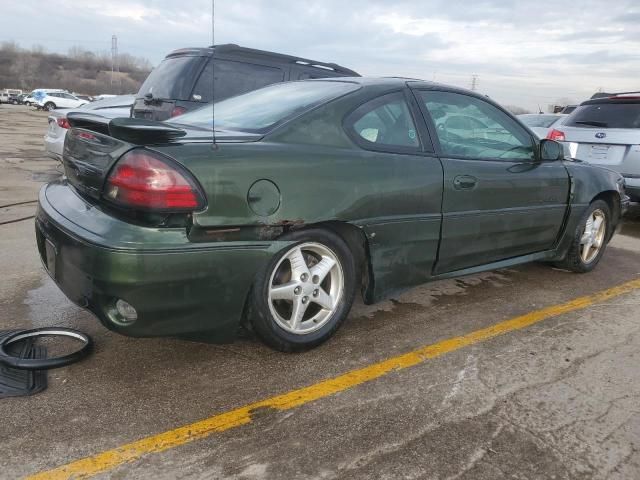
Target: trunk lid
(611, 147)
(94, 144)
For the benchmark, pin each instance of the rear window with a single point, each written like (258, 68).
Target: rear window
(261, 110)
(173, 78)
(544, 121)
(606, 115)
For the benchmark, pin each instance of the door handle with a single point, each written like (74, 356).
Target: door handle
(464, 182)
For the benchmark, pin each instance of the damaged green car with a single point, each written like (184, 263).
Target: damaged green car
(300, 195)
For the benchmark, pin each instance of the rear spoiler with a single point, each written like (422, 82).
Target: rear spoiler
(131, 130)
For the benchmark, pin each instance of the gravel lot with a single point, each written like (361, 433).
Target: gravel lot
(558, 399)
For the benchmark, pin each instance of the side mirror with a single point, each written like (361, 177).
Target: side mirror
(550, 150)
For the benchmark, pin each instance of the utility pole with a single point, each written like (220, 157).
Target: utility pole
(114, 57)
(474, 82)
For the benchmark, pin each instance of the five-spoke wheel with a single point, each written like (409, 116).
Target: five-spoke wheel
(305, 292)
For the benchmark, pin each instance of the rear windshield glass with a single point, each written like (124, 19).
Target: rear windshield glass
(173, 78)
(261, 110)
(544, 121)
(606, 115)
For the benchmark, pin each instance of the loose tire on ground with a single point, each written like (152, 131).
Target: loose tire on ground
(304, 293)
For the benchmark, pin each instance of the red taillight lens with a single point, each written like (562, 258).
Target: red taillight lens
(63, 123)
(556, 135)
(148, 181)
(177, 111)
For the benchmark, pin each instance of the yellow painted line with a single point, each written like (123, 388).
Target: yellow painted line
(130, 452)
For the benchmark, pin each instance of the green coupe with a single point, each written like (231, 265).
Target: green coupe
(297, 195)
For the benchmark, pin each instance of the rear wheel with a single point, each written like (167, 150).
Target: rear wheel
(305, 292)
(590, 239)
(50, 106)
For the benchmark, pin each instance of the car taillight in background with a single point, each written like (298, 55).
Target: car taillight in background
(145, 180)
(556, 135)
(177, 111)
(63, 123)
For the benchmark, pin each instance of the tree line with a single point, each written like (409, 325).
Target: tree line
(80, 70)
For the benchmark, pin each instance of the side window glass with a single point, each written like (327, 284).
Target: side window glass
(233, 78)
(203, 92)
(470, 127)
(384, 122)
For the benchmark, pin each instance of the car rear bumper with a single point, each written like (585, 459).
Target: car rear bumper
(53, 146)
(178, 287)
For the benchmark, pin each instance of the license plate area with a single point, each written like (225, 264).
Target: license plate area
(51, 254)
(599, 152)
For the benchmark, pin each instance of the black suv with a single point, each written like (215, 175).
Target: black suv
(184, 79)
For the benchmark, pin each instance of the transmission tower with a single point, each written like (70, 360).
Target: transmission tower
(474, 82)
(114, 57)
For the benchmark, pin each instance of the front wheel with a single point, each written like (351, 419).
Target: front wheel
(305, 292)
(50, 106)
(590, 239)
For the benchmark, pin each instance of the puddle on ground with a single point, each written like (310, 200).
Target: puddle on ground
(48, 306)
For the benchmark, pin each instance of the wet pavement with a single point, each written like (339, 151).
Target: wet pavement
(559, 399)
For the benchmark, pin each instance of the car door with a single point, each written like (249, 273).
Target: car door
(400, 204)
(499, 201)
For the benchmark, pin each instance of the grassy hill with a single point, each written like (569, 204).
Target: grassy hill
(79, 71)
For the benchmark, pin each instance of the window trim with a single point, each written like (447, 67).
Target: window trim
(348, 126)
(431, 126)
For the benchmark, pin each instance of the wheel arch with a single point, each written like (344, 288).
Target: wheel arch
(357, 241)
(612, 198)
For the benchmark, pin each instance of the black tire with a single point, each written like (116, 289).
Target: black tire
(573, 260)
(259, 315)
(49, 106)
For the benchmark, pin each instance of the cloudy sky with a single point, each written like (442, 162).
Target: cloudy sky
(524, 53)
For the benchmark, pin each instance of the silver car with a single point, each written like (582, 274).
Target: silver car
(606, 132)
(113, 107)
(541, 123)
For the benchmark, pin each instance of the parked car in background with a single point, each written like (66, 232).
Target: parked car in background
(39, 93)
(184, 79)
(568, 109)
(52, 100)
(88, 98)
(606, 131)
(112, 107)
(541, 123)
(318, 188)
(9, 95)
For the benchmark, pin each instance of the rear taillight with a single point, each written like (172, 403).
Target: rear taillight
(556, 135)
(177, 111)
(149, 181)
(63, 123)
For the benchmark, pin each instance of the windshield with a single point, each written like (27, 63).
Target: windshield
(544, 121)
(606, 115)
(261, 110)
(173, 78)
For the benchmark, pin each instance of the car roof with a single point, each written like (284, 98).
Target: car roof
(244, 53)
(401, 82)
(616, 99)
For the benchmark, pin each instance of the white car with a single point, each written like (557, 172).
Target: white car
(542, 123)
(52, 100)
(115, 107)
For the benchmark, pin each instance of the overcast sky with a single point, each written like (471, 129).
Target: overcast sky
(524, 52)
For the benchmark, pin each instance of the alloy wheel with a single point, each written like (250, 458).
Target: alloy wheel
(305, 288)
(593, 236)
